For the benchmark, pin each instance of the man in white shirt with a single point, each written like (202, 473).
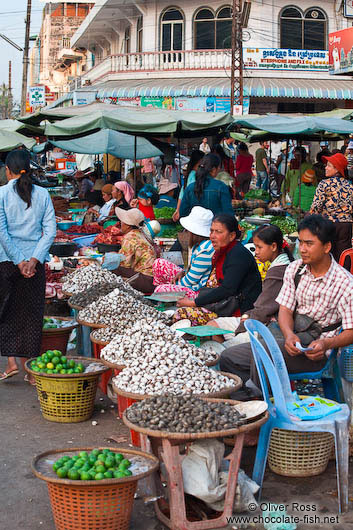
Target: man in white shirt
(204, 147)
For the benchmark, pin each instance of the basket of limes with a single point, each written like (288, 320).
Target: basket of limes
(93, 489)
(66, 386)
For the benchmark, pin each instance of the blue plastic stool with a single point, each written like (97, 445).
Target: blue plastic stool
(273, 376)
(330, 377)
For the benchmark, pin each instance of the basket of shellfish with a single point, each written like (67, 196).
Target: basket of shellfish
(192, 417)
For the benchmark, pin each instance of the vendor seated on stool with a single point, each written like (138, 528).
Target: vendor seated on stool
(324, 292)
(137, 251)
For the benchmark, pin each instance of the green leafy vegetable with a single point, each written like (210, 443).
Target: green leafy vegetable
(286, 224)
(164, 213)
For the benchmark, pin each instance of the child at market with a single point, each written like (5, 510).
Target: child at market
(147, 198)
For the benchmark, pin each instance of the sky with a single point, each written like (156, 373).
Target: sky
(12, 24)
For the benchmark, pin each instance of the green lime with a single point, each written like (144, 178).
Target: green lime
(56, 466)
(125, 463)
(83, 454)
(77, 371)
(109, 462)
(92, 459)
(69, 463)
(63, 359)
(85, 475)
(75, 457)
(99, 476)
(70, 371)
(106, 452)
(86, 466)
(50, 354)
(62, 472)
(95, 451)
(55, 360)
(80, 367)
(41, 365)
(118, 458)
(59, 366)
(63, 371)
(65, 458)
(101, 456)
(118, 474)
(108, 474)
(92, 473)
(50, 371)
(73, 474)
(79, 463)
(36, 369)
(71, 363)
(100, 469)
(57, 352)
(45, 358)
(127, 473)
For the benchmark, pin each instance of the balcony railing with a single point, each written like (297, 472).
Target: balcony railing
(161, 62)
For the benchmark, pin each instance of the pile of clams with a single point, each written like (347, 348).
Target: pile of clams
(86, 277)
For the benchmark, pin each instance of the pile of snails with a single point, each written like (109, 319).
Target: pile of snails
(86, 277)
(115, 330)
(176, 372)
(150, 336)
(118, 305)
(180, 414)
(87, 297)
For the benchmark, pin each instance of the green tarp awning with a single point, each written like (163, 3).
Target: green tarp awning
(107, 141)
(286, 127)
(11, 140)
(139, 120)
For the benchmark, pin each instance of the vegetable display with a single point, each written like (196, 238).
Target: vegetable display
(258, 194)
(286, 224)
(172, 231)
(164, 213)
(96, 465)
(53, 362)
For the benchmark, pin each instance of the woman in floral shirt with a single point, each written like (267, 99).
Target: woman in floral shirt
(334, 199)
(138, 252)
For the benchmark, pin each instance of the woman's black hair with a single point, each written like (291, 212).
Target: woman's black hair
(229, 221)
(272, 234)
(208, 163)
(243, 147)
(149, 192)
(319, 226)
(18, 162)
(195, 157)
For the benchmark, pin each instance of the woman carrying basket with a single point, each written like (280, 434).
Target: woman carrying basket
(27, 230)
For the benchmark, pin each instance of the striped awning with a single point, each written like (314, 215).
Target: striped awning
(255, 87)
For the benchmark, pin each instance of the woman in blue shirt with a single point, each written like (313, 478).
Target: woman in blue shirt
(206, 191)
(27, 230)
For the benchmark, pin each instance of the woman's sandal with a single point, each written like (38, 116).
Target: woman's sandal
(7, 375)
(27, 379)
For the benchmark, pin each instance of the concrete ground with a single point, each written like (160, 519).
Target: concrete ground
(24, 499)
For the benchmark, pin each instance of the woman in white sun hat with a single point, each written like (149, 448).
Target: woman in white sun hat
(169, 277)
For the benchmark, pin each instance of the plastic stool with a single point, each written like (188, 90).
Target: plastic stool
(104, 378)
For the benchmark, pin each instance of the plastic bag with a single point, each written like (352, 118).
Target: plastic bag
(204, 479)
(112, 260)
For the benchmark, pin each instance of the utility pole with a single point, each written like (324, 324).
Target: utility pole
(9, 104)
(236, 83)
(25, 58)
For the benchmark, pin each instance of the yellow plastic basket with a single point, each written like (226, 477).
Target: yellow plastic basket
(67, 398)
(299, 454)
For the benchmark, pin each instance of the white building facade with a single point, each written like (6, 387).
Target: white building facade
(177, 55)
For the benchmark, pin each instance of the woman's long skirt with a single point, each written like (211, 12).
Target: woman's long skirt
(21, 311)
